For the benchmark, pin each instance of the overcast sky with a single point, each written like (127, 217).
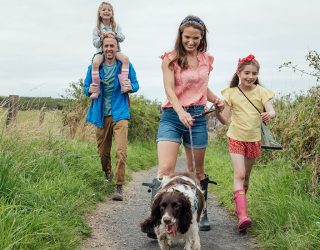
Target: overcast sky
(45, 45)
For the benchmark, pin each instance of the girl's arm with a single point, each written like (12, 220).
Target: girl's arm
(119, 36)
(96, 40)
(269, 112)
(219, 104)
(169, 86)
(224, 115)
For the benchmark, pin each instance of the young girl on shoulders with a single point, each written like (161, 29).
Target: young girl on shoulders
(106, 25)
(244, 133)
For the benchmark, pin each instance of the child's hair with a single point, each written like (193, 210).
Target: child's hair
(99, 19)
(249, 60)
(180, 53)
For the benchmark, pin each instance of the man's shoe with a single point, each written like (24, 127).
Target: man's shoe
(117, 195)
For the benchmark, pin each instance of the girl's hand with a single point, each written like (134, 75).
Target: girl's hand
(186, 118)
(109, 33)
(265, 116)
(219, 104)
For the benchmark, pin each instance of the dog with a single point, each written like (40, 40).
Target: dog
(176, 212)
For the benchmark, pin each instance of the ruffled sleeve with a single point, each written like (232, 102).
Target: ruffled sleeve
(210, 59)
(266, 95)
(226, 95)
(167, 54)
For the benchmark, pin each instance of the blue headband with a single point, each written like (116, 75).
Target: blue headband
(193, 19)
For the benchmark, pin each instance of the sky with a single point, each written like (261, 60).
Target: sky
(46, 45)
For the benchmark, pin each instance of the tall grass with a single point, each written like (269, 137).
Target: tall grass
(49, 182)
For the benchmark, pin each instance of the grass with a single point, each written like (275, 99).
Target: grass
(48, 183)
(284, 215)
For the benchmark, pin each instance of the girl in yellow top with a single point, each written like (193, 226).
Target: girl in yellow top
(244, 133)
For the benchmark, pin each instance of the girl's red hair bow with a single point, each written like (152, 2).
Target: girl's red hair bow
(249, 58)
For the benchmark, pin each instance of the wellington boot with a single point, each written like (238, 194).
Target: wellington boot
(204, 224)
(241, 208)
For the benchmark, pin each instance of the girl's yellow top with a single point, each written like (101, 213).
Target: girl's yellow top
(245, 120)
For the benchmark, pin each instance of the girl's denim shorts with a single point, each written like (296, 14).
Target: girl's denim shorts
(172, 129)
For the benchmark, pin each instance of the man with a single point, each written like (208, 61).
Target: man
(110, 112)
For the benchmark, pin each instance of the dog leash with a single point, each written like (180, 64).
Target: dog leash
(210, 110)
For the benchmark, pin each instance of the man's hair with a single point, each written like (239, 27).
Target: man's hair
(109, 36)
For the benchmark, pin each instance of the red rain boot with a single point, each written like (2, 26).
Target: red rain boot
(241, 208)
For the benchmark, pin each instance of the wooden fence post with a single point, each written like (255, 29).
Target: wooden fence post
(41, 117)
(12, 109)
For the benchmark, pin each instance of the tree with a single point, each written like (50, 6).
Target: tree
(313, 58)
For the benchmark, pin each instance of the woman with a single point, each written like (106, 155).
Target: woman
(186, 74)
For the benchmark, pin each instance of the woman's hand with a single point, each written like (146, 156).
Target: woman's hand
(186, 118)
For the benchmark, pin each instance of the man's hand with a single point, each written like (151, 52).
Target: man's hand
(94, 88)
(126, 86)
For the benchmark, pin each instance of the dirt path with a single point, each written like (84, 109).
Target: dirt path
(115, 225)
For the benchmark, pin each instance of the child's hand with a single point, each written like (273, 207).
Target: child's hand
(219, 104)
(265, 116)
(108, 34)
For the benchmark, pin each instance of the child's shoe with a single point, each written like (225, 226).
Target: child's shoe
(122, 77)
(241, 208)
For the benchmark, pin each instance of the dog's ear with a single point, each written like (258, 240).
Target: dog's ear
(185, 216)
(155, 215)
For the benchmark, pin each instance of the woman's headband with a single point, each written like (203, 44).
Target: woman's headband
(193, 20)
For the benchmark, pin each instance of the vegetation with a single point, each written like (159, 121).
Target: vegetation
(49, 180)
(36, 103)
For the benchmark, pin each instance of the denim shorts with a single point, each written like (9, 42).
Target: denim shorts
(172, 129)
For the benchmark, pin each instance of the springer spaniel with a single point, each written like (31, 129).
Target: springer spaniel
(176, 211)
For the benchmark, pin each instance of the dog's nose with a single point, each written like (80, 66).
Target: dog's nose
(167, 220)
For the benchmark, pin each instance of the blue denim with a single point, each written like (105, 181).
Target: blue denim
(172, 129)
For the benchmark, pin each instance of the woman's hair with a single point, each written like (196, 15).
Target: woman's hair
(242, 63)
(112, 21)
(180, 53)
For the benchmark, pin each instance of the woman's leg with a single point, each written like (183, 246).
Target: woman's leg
(199, 161)
(167, 157)
(96, 62)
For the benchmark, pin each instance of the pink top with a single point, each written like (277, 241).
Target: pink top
(191, 84)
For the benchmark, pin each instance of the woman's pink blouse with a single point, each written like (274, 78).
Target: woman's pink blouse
(191, 84)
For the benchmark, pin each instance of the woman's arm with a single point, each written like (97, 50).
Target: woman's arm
(169, 86)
